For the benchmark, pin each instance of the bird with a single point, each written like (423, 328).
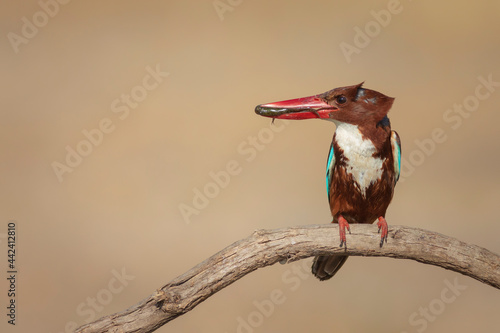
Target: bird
(364, 159)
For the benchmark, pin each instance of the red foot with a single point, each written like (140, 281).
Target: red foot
(382, 225)
(342, 226)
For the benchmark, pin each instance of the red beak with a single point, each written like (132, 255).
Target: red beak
(299, 108)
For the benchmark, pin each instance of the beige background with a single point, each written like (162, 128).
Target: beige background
(119, 208)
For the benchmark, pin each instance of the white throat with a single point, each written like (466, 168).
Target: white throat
(364, 168)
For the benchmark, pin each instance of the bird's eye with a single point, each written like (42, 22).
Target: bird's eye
(341, 99)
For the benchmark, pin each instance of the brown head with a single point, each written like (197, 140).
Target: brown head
(352, 104)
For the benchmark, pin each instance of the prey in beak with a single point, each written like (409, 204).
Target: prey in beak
(299, 108)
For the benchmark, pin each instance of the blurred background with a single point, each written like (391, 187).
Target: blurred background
(117, 115)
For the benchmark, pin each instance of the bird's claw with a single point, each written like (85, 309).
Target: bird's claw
(342, 226)
(382, 225)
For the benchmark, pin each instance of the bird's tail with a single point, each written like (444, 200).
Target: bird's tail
(325, 267)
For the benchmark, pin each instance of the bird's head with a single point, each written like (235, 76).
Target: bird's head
(353, 105)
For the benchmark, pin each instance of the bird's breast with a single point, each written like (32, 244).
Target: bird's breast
(358, 157)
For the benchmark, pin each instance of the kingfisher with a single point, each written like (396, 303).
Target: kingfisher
(364, 160)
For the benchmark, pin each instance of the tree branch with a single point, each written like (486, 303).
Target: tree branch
(266, 247)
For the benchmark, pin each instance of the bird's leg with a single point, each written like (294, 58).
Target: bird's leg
(382, 225)
(342, 226)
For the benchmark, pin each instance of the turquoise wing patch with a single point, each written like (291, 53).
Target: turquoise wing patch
(329, 169)
(396, 153)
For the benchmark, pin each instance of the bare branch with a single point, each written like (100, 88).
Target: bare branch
(266, 247)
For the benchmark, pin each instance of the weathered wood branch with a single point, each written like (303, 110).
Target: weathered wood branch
(266, 247)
